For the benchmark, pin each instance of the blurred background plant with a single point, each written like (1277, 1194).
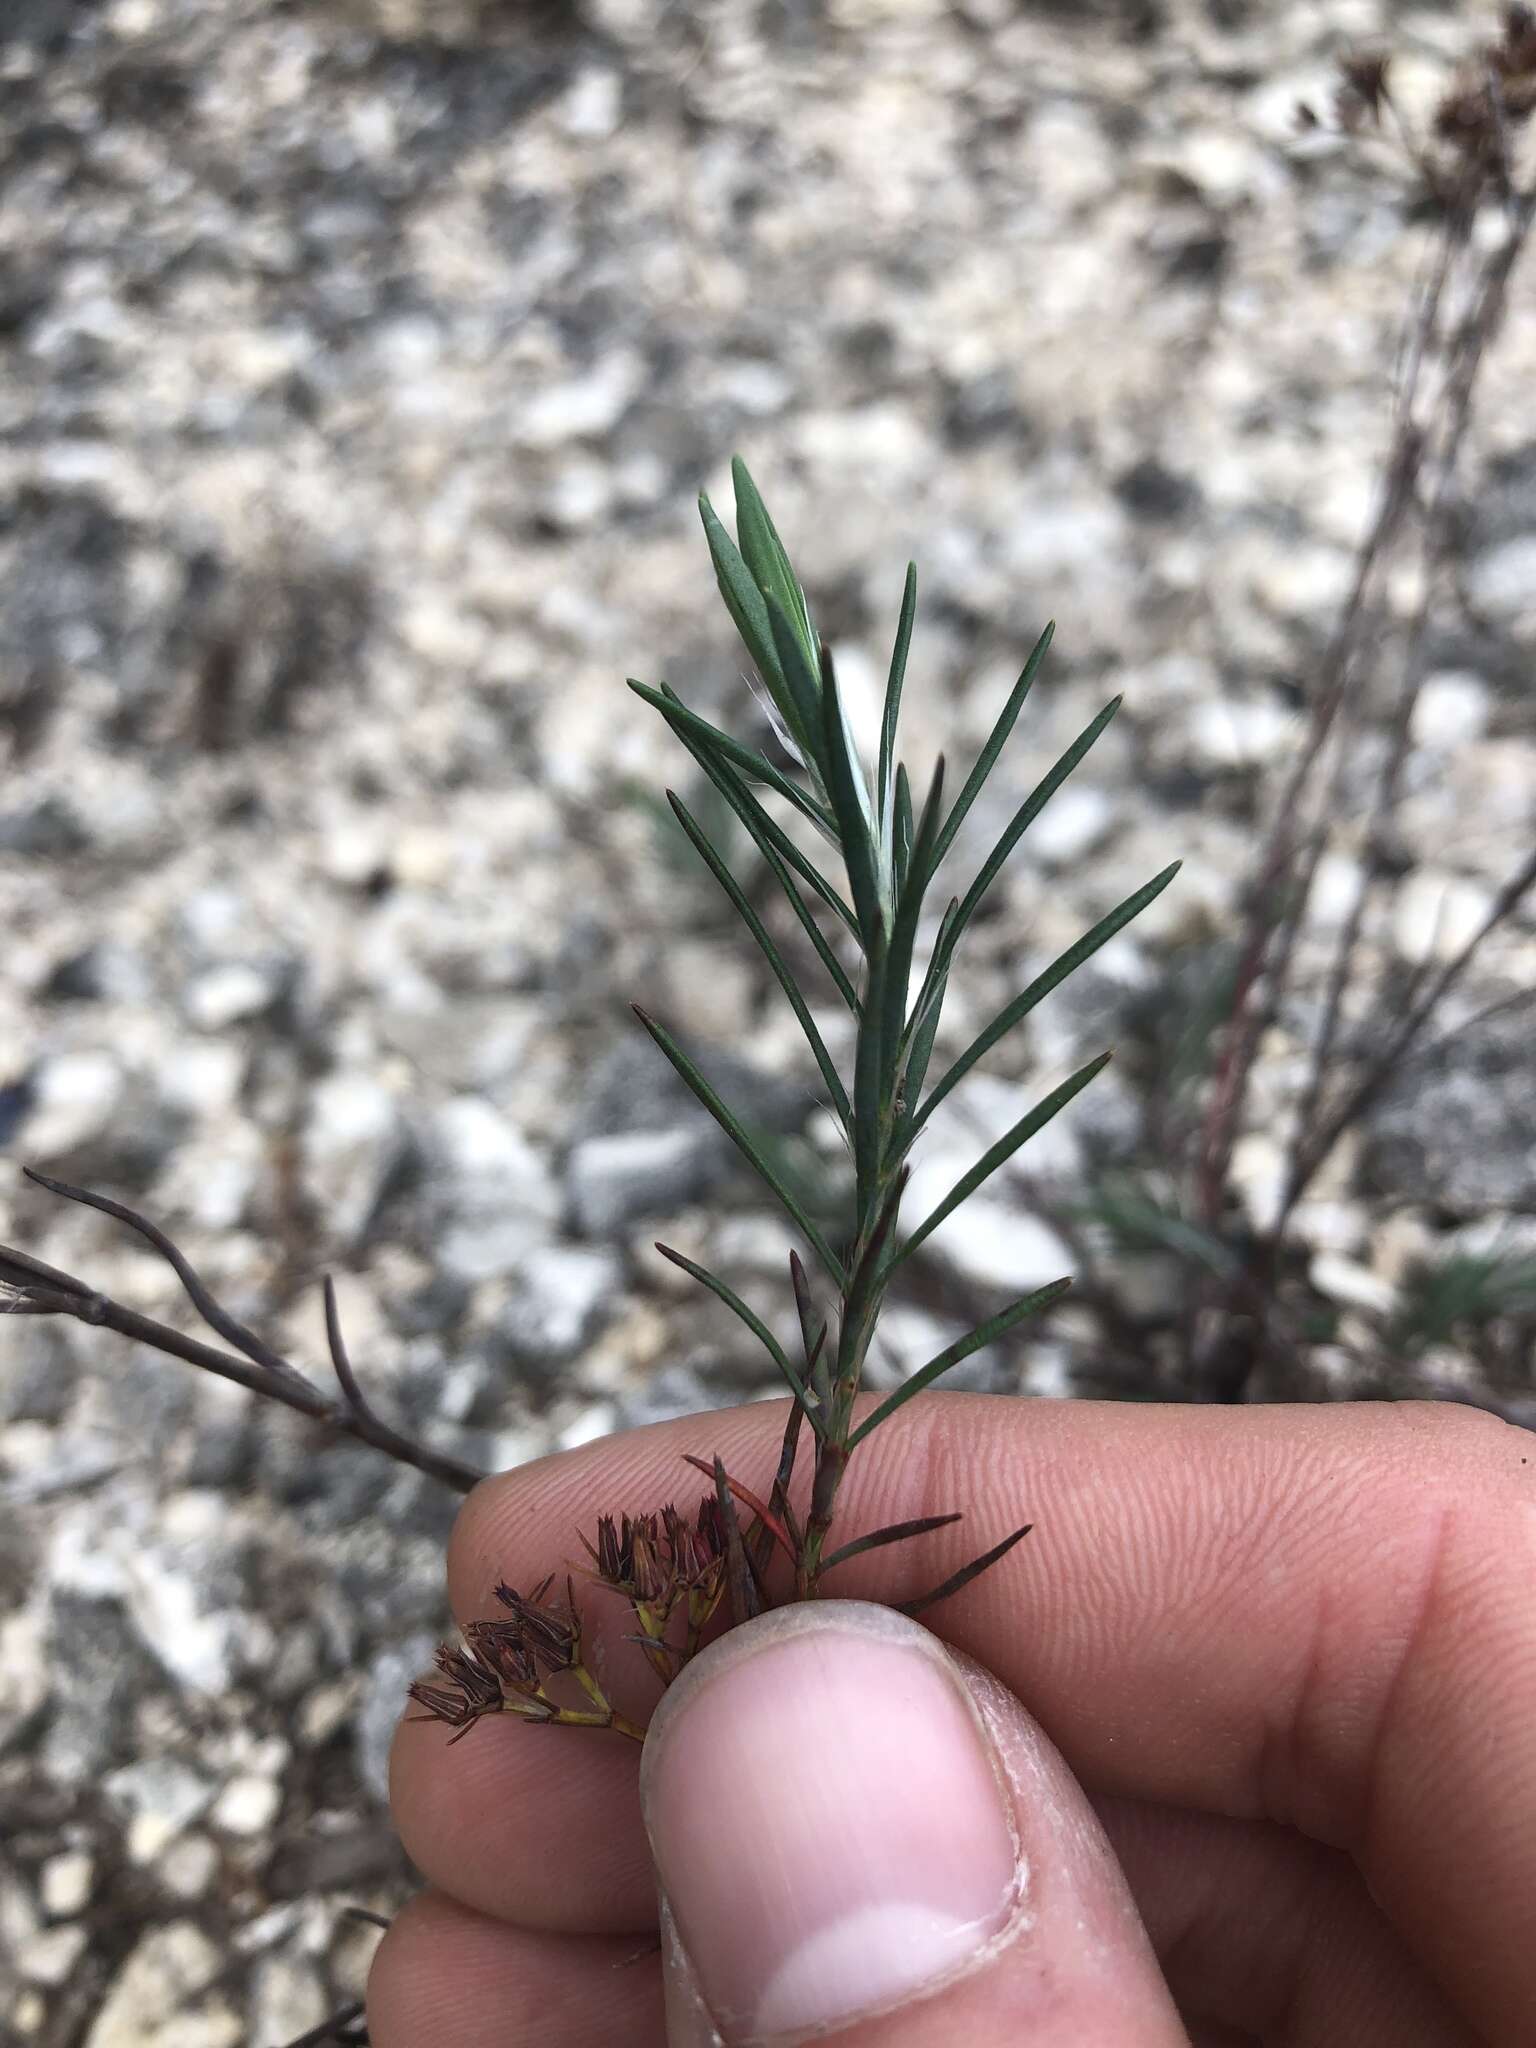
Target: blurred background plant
(361, 364)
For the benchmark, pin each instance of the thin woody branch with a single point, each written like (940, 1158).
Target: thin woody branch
(28, 1287)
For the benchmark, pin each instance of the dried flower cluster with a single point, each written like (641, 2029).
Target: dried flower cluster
(1474, 121)
(506, 1667)
(665, 1566)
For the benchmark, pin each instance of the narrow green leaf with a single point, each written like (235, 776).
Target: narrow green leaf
(755, 1324)
(868, 1067)
(997, 1155)
(965, 1347)
(922, 1027)
(894, 1532)
(1007, 719)
(746, 759)
(927, 1029)
(934, 973)
(763, 829)
(866, 1282)
(746, 605)
(966, 1573)
(901, 829)
(768, 559)
(1063, 965)
(850, 802)
(802, 686)
(893, 686)
(898, 972)
(1026, 815)
(797, 902)
(813, 1325)
(771, 954)
(749, 1150)
(813, 1334)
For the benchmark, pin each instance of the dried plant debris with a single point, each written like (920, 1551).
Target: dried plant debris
(1469, 142)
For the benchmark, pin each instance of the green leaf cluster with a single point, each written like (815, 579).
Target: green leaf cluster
(862, 912)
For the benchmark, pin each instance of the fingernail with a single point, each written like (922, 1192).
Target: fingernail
(828, 1817)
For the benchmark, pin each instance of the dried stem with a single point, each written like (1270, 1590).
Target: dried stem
(32, 1288)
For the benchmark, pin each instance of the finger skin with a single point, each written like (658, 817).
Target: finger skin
(1316, 1616)
(446, 1977)
(1272, 1937)
(1054, 1952)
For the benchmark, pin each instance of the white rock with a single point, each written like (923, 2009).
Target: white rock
(187, 1866)
(745, 1243)
(286, 2001)
(1047, 1373)
(487, 1161)
(1225, 733)
(354, 849)
(581, 408)
(617, 1177)
(228, 994)
(18, 1916)
(498, 1197)
(195, 1647)
(1335, 886)
(354, 1138)
(710, 990)
(1436, 913)
(599, 1419)
(1331, 1225)
(1069, 154)
(248, 1805)
(49, 1956)
(325, 1710)
(590, 109)
(558, 1299)
(1352, 1285)
(907, 1339)
(162, 1796)
(1073, 823)
(1224, 163)
(579, 495)
(378, 1716)
(146, 2006)
(1259, 1172)
(488, 1247)
(1452, 710)
(986, 1240)
(755, 387)
(78, 1094)
(24, 1682)
(974, 1116)
(66, 1883)
(202, 1080)
(1502, 581)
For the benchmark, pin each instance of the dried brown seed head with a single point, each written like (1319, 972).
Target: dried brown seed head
(549, 1637)
(1364, 88)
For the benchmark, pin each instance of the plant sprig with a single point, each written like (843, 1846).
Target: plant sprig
(888, 855)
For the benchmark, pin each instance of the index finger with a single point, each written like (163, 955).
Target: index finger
(1319, 1616)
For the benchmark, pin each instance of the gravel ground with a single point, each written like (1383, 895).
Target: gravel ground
(362, 363)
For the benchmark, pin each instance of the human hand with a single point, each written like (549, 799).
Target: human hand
(1287, 1658)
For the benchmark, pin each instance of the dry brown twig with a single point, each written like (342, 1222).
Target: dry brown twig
(1466, 163)
(30, 1288)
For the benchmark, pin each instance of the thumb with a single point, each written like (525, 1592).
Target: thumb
(857, 1834)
